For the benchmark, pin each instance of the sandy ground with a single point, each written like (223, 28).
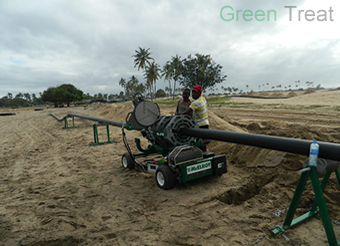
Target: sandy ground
(329, 98)
(57, 189)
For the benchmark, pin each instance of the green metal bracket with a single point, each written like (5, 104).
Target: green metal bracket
(129, 126)
(66, 123)
(319, 202)
(96, 137)
(198, 143)
(151, 149)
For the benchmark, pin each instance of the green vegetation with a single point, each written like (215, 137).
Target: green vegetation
(65, 93)
(225, 101)
(188, 72)
(213, 101)
(202, 70)
(172, 72)
(160, 93)
(218, 101)
(74, 189)
(274, 106)
(92, 179)
(167, 101)
(292, 107)
(131, 86)
(237, 105)
(336, 108)
(20, 100)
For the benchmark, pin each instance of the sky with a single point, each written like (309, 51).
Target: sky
(90, 43)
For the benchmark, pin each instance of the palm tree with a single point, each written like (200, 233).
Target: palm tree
(27, 97)
(142, 61)
(167, 73)
(152, 74)
(142, 58)
(172, 70)
(132, 84)
(141, 88)
(19, 95)
(34, 97)
(122, 83)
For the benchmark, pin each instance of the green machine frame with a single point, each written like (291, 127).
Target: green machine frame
(210, 161)
(319, 202)
(151, 149)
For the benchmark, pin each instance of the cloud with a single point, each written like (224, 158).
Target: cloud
(89, 44)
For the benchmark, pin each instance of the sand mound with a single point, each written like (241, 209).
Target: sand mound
(252, 93)
(292, 94)
(264, 94)
(217, 123)
(116, 112)
(277, 94)
(309, 91)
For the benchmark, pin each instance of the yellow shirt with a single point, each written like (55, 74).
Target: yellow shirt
(200, 111)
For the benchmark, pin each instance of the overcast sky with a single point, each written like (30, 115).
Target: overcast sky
(89, 43)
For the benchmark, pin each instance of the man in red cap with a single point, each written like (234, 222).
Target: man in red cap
(198, 109)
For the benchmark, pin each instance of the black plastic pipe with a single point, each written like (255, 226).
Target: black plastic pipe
(101, 120)
(6, 114)
(55, 117)
(327, 150)
(292, 145)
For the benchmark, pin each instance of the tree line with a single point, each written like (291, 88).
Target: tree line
(20, 100)
(188, 72)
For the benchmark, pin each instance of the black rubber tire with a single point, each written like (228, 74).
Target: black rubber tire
(128, 161)
(165, 178)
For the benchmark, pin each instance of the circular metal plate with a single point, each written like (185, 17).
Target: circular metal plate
(146, 113)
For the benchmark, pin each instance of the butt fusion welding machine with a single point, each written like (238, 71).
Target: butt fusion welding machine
(182, 160)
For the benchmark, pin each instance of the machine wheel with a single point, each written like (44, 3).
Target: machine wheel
(165, 178)
(128, 161)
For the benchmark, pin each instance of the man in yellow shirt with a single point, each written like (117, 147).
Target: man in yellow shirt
(198, 109)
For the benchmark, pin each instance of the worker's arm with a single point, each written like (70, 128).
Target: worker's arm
(177, 108)
(188, 111)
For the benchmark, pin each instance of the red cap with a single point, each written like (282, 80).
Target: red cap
(197, 89)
